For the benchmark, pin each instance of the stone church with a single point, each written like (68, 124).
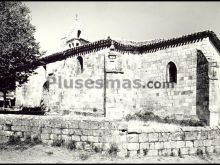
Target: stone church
(190, 62)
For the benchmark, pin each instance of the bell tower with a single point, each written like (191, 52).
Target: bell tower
(75, 36)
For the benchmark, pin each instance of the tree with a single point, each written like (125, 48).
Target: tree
(19, 50)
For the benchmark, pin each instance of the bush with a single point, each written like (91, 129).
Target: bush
(113, 149)
(14, 140)
(36, 140)
(57, 143)
(71, 145)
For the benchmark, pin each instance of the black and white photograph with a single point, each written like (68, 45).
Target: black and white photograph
(109, 82)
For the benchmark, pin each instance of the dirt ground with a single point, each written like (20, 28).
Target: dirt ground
(48, 154)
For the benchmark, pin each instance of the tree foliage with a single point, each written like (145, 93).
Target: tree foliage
(19, 50)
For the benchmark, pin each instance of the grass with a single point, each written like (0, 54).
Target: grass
(150, 116)
(15, 142)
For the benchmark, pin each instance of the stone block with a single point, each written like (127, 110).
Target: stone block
(75, 138)
(65, 131)
(153, 137)
(210, 149)
(202, 135)
(79, 145)
(216, 142)
(37, 129)
(56, 131)
(164, 152)
(98, 132)
(66, 138)
(105, 139)
(144, 146)
(98, 147)
(212, 134)
(184, 151)
(45, 130)
(87, 132)
(87, 147)
(133, 146)
(174, 152)
(180, 144)
(122, 153)
(106, 146)
(133, 153)
(192, 151)
(19, 134)
(143, 137)
(3, 139)
(207, 142)
(84, 138)
(93, 139)
(84, 125)
(189, 144)
(152, 145)
(73, 124)
(191, 135)
(198, 143)
(53, 136)
(164, 136)
(122, 146)
(75, 132)
(177, 136)
(158, 145)
(45, 136)
(8, 133)
(132, 138)
(16, 128)
(152, 153)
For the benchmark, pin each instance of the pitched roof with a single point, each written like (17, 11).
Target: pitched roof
(133, 48)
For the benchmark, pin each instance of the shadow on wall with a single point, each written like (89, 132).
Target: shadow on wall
(202, 88)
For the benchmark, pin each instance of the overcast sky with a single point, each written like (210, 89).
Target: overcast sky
(128, 20)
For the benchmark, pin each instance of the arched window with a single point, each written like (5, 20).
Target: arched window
(80, 60)
(171, 72)
(46, 86)
(78, 33)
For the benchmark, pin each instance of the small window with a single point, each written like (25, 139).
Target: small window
(78, 33)
(77, 44)
(70, 45)
(73, 45)
(80, 60)
(112, 56)
(171, 72)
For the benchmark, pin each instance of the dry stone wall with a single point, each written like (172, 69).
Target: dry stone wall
(105, 135)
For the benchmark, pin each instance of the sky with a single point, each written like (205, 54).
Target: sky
(137, 21)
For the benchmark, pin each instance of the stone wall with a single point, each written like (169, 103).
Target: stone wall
(104, 135)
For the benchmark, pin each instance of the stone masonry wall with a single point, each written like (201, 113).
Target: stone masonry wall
(179, 102)
(101, 135)
(182, 100)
